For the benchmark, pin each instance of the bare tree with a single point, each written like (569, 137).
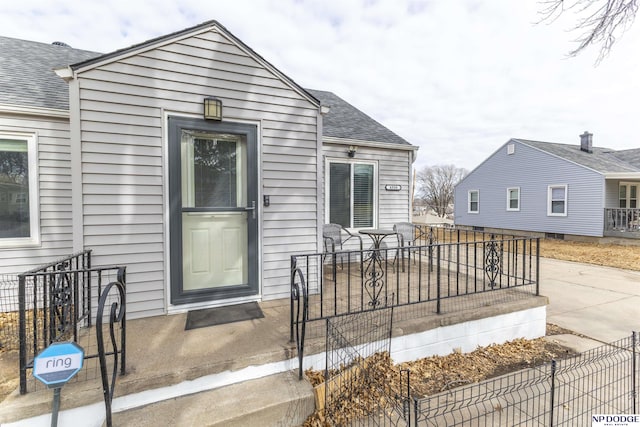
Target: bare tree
(600, 21)
(435, 185)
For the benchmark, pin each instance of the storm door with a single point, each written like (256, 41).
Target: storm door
(213, 225)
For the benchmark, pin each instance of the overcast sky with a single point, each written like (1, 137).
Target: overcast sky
(457, 78)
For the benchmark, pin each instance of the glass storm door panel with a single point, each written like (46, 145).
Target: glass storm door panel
(214, 228)
(214, 232)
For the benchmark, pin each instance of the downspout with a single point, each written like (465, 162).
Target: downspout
(412, 180)
(320, 206)
(77, 220)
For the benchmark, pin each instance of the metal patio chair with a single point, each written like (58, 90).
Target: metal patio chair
(335, 236)
(407, 234)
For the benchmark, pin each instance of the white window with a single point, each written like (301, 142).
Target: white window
(473, 201)
(557, 200)
(19, 220)
(513, 199)
(350, 193)
(628, 195)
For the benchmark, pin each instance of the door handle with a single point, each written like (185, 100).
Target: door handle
(252, 208)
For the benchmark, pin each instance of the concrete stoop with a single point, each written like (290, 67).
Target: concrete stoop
(277, 400)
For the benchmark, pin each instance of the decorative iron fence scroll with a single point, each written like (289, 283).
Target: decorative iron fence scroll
(452, 276)
(116, 348)
(58, 302)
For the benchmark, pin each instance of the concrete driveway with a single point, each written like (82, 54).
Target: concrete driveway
(600, 302)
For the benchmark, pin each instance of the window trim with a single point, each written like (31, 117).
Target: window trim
(327, 189)
(34, 191)
(550, 200)
(627, 197)
(509, 208)
(469, 202)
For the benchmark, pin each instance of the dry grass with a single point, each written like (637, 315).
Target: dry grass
(610, 255)
(626, 256)
(432, 375)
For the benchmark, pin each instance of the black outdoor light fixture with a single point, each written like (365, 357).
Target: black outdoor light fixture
(351, 152)
(212, 108)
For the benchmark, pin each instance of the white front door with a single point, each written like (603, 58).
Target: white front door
(213, 215)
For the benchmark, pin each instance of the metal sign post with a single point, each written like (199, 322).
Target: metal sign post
(55, 366)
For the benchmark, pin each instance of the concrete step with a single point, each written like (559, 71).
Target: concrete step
(276, 400)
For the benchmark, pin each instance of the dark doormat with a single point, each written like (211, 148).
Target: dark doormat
(221, 315)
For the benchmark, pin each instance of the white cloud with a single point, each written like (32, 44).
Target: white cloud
(456, 78)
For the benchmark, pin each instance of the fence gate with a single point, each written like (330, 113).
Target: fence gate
(356, 390)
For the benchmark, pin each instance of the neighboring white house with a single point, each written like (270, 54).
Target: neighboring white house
(556, 189)
(203, 212)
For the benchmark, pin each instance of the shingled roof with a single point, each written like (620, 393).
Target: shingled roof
(603, 160)
(27, 78)
(346, 121)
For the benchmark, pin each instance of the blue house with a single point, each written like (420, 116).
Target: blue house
(555, 189)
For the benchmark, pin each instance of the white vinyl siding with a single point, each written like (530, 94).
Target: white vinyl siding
(50, 137)
(122, 105)
(393, 168)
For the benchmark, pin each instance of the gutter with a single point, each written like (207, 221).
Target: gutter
(373, 144)
(34, 111)
(622, 175)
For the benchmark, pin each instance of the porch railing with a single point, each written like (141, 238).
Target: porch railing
(457, 275)
(58, 302)
(622, 220)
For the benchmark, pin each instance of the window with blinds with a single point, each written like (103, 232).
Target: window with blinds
(473, 201)
(557, 200)
(351, 194)
(513, 199)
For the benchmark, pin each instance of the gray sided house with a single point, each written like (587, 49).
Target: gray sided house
(35, 208)
(557, 189)
(202, 211)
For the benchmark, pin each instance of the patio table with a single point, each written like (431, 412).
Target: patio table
(377, 235)
(374, 271)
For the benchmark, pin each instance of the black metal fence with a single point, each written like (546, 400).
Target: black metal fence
(567, 392)
(114, 296)
(460, 274)
(355, 388)
(54, 303)
(428, 234)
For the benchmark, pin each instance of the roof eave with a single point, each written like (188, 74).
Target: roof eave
(65, 73)
(373, 144)
(183, 34)
(622, 175)
(34, 111)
